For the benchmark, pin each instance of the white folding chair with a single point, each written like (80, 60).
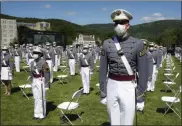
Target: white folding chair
(63, 77)
(171, 82)
(70, 106)
(25, 68)
(26, 86)
(63, 68)
(98, 67)
(170, 101)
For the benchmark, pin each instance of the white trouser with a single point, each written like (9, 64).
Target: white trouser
(6, 73)
(121, 102)
(59, 60)
(29, 62)
(152, 86)
(72, 66)
(39, 95)
(140, 106)
(51, 69)
(85, 75)
(26, 55)
(55, 69)
(17, 63)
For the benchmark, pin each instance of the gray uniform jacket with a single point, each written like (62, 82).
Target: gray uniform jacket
(71, 54)
(50, 53)
(42, 67)
(158, 59)
(133, 50)
(82, 62)
(150, 60)
(30, 54)
(7, 61)
(92, 53)
(17, 52)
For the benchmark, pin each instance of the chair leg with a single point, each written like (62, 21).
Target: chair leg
(66, 117)
(79, 116)
(24, 94)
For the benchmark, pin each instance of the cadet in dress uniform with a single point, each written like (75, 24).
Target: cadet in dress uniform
(30, 54)
(91, 51)
(84, 63)
(39, 68)
(124, 55)
(141, 88)
(59, 50)
(17, 53)
(71, 58)
(55, 53)
(49, 57)
(26, 53)
(6, 70)
(151, 86)
(158, 60)
(151, 63)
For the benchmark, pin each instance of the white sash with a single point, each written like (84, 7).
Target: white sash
(37, 72)
(85, 59)
(4, 61)
(48, 54)
(123, 58)
(71, 54)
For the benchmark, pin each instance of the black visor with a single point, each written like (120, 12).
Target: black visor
(121, 22)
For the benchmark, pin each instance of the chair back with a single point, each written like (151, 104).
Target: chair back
(177, 75)
(174, 68)
(77, 94)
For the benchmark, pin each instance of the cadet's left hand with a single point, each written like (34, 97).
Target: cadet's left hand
(103, 101)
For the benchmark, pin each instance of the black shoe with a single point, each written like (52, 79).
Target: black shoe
(34, 118)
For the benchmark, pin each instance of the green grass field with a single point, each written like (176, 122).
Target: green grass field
(18, 110)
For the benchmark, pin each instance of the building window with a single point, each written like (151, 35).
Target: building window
(41, 25)
(4, 40)
(47, 25)
(4, 35)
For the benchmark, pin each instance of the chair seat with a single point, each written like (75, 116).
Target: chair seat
(167, 69)
(64, 105)
(97, 84)
(62, 66)
(170, 99)
(25, 66)
(168, 74)
(169, 82)
(62, 76)
(25, 86)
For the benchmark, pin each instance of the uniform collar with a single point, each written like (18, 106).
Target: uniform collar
(123, 38)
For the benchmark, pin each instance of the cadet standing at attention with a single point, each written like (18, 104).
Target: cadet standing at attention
(91, 51)
(84, 63)
(17, 53)
(124, 55)
(142, 86)
(6, 70)
(30, 54)
(55, 53)
(39, 68)
(49, 57)
(71, 56)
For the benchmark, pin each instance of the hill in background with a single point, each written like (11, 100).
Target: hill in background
(152, 31)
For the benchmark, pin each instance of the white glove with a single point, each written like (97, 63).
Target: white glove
(103, 101)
